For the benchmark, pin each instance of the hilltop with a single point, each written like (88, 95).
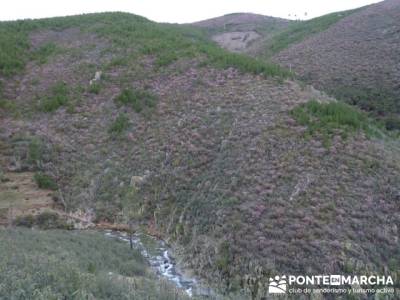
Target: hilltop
(223, 156)
(352, 55)
(242, 32)
(356, 60)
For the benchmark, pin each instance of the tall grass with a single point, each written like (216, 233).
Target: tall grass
(328, 119)
(74, 265)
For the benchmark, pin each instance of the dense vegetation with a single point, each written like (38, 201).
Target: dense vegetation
(332, 118)
(379, 103)
(69, 265)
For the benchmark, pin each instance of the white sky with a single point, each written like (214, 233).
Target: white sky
(175, 11)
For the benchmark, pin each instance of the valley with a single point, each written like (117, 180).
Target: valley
(230, 144)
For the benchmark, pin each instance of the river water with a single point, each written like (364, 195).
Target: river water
(162, 262)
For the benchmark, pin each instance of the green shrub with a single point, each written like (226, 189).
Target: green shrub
(137, 99)
(44, 181)
(331, 118)
(95, 88)
(58, 97)
(224, 256)
(25, 221)
(7, 104)
(49, 220)
(120, 124)
(35, 149)
(44, 52)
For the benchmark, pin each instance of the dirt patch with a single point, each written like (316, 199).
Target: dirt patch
(19, 195)
(236, 41)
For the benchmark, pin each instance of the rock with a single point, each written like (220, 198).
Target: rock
(136, 181)
(97, 77)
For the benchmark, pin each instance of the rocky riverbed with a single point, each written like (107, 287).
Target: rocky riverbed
(162, 261)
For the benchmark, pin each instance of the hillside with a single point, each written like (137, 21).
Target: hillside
(242, 32)
(221, 155)
(356, 59)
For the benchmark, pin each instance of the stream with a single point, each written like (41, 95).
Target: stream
(162, 262)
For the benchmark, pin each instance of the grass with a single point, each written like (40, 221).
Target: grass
(14, 46)
(74, 265)
(137, 99)
(7, 105)
(44, 181)
(95, 88)
(328, 119)
(120, 124)
(59, 96)
(300, 30)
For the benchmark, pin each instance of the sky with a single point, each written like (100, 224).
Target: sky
(176, 11)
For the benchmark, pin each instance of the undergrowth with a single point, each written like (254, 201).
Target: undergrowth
(59, 96)
(137, 99)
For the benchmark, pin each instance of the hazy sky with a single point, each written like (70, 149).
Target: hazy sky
(175, 11)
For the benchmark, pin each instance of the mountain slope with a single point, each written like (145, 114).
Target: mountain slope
(357, 60)
(216, 153)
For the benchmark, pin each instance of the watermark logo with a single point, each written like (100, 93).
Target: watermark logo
(277, 285)
(338, 284)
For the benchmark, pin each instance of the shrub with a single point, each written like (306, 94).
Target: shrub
(7, 104)
(59, 96)
(392, 123)
(137, 99)
(44, 52)
(224, 256)
(44, 181)
(35, 149)
(95, 88)
(120, 124)
(48, 220)
(25, 221)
